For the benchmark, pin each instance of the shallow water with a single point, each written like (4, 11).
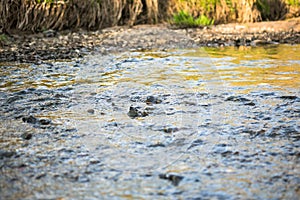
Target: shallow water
(208, 123)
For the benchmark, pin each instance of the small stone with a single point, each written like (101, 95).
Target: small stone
(152, 100)
(157, 145)
(50, 33)
(170, 129)
(144, 114)
(133, 112)
(30, 119)
(6, 154)
(237, 99)
(175, 179)
(45, 121)
(39, 176)
(259, 42)
(26, 136)
(91, 111)
(250, 103)
(94, 161)
(12, 99)
(83, 179)
(288, 97)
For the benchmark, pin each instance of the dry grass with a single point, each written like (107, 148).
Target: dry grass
(97, 14)
(225, 11)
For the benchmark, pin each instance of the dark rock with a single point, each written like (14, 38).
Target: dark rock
(228, 153)
(237, 99)
(251, 103)
(267, 118)
(70, 130)
(50, 33)
(7, 154)
(91, 111)
(170, 129)
(36, 121)
(12, 99)
(133, 112)
(157, 145)
(153, 100)
(39, 176)
(26, 136)
(136, 112)
(45, 121)
(30, 120)
(288, 97)
(94, 161)
(175, 179)
(144, 114)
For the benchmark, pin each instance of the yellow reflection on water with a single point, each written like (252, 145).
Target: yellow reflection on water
(277, 66)
(281, 76)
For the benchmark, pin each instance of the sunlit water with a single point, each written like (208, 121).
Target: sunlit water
(224, 146)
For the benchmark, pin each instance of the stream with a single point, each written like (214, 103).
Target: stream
(202, 123)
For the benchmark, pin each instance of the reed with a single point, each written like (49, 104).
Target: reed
(39, 15)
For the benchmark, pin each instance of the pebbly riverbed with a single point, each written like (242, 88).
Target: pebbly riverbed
(52, 45)
(198, 123)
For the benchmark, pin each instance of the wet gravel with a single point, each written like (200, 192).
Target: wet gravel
(149, 125)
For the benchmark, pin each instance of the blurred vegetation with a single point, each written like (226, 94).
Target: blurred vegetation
(3, 37)
(293, 2)
(38, 15)
(184, 19)
(46, 1)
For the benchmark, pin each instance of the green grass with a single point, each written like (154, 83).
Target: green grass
(46, 1)
(3, 37)
(184, 19)
(293, 2)
(263, 6)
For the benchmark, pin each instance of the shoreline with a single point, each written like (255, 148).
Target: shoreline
(52, 45)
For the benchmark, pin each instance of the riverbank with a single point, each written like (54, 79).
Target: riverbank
(52, 45)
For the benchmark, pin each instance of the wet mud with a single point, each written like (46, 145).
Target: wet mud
(201, 123)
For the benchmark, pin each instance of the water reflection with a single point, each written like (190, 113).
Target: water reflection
(245, 68)
(271, 66)
(16, 77)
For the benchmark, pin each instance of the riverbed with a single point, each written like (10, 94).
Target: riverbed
(197, 123)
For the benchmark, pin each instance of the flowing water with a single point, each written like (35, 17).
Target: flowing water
(207, 123)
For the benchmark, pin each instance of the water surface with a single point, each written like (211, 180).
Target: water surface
(217, 123)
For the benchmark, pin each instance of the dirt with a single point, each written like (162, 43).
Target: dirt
(52, 45)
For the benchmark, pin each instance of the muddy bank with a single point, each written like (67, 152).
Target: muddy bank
(52, 45)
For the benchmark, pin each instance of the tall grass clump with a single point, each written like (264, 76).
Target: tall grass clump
(37, 15)
(184, 19)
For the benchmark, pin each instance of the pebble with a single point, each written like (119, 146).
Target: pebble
(91, 111)
(26, 136)
(30, 119)
(4, 153)
(174, 179)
